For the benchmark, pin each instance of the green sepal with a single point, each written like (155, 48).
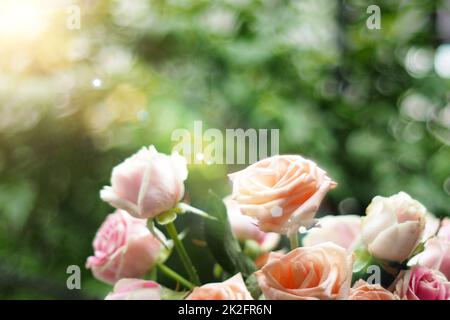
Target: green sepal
(363, 263)
(166, 217)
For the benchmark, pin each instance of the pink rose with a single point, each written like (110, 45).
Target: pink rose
(282, 192)
(341, 230)
(231, 289)
(436, 256)
(363, 291)
(321, 272)
(444, 231)
(245, 228)
(421, 283)
(147, 184)
(123, 248)
(135, 289)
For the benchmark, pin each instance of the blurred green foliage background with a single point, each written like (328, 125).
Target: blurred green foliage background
(370, 106)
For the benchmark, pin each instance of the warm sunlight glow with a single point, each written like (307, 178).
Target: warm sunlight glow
(25, 20)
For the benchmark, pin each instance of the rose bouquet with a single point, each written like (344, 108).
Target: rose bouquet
(398, 250)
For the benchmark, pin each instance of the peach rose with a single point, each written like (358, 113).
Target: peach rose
(363, 291)
(147, 184)
(341, 230)
(245, 228)
(231, 289)
(282, 192)
(135, 289)
(320, 272)
(393, 226)
(421, 283)
(123, 248)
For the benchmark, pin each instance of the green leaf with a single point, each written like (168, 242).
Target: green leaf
(221, 241)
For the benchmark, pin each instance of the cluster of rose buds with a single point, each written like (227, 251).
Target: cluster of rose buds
(272, 198)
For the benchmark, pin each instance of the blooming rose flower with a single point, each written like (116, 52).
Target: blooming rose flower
(135, 289)
(282, 192)
(436, 256)
(363, 291)
(123, 248)
(444, 231)
(323, 271)
(245, 228)
(341, 230)
(147, 184)
(393, 226)
(231, 289)
(421, 283)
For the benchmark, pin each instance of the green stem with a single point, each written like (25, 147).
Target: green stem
(175, 276)
(293, 240)
(183, 254)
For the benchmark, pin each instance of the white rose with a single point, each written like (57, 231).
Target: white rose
(393, 226)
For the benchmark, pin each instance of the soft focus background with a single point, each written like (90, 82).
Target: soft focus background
(372, 107)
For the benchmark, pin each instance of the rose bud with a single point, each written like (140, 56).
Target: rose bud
(341, 230)
(393, 226)
(444, 231)
(123, 248)
(363, 291)
(282, 192)
(320, 272)
(246, 228)
(147, 184)
(421, 283)
(435, 256)
(135, 289)
(231, 289)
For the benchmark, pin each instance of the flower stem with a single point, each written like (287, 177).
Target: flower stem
(183, 254)
(175, 276)
(293, 240)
